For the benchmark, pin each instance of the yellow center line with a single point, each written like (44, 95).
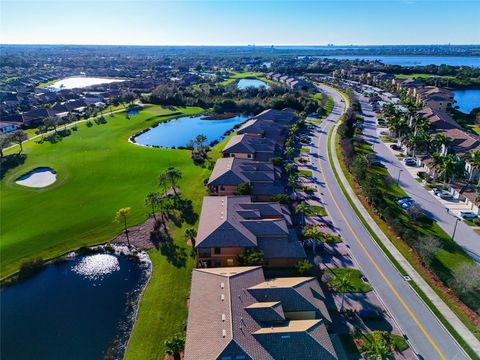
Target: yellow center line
(373, 261)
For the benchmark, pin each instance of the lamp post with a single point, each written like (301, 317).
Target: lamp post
(398, 178)
(455, 228)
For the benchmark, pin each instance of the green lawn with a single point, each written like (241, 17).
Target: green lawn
(304, 173)
(355, 277)
(419, 76)
(163, 308)
(315, 210)
(46, 83)
(98, 171)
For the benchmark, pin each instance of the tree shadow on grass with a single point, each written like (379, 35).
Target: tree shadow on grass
(176, 255)
(10, 162)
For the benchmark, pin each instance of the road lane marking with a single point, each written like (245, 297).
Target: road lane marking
(390, 285)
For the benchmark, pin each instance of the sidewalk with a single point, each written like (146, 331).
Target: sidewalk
(454, 321)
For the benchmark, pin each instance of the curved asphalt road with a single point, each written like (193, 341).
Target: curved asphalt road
(465, 236)
(426, 335)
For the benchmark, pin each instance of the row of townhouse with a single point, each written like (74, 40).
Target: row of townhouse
(291, 81)
(362, 75)
(462, 144)
(428, 96)
(235, 312)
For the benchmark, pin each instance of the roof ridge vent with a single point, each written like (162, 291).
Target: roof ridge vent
(222, 285)
(222, 297)
(223, 317)
(224, 333)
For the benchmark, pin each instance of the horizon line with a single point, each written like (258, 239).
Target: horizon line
(234, 45)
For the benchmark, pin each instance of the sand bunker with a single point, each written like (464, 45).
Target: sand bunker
(38, 178)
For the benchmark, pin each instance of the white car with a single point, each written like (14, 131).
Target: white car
(466, 215)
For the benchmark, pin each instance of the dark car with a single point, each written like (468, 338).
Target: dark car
(395, 147)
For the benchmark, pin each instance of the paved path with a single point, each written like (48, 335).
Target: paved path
(465, 235)
(427, 336)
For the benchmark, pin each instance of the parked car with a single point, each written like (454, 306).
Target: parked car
(467, 215)
(443, 194)
(381, 122)
(410, 161)
(395, 147)
(405, 202)
(384, 133)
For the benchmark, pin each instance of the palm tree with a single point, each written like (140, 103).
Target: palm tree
(342, 284)
(191, 233)
(173, 175)
(302, 209)
(448, 166)
(121, 217)
(473, 159)
(163, 182)
(438, 140)
(292, 180)
(289, 151)
(379, 346)
(417, 141)
(153, 199)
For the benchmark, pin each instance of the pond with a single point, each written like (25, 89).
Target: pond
(80, 308)
(178, 132)
(467, 100)
(77, 82)
(245, 83)
(408, 60)
(38, 178)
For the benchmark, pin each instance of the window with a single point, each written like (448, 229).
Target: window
(217, 251)
(229, 262)
(222, 187)
(249, 155)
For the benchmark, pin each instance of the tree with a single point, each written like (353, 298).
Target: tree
(244, 189)
(303, 267)
(342, 284)
(153, 199)
(360, 169)
(418, 141)
(466, 278)
(250, 257)
(173, 175)
(199, 141)
(427, 247)
(121, 217)
(448, 166)
(175, 345)
(50, 122)
(438, 140)
(379, 347)
(281, 198)
(311, 232)
(163, 182)
(19, 136)
(473, 159)
(5, 141)
(302, 209)
(289, 151)
(191, 233)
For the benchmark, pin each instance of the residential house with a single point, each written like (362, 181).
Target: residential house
(6, 127)
(229, 225)
(229, 173)
(250, 147)
(236, 314)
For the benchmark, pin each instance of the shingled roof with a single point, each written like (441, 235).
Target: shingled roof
(234, 221)
(250, 144)
(226, 320)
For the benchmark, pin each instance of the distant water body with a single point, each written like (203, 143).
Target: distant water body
(467, 100)
(81, 82)
(416, 60)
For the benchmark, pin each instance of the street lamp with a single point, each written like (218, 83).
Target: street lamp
(456, 223)
(398, 178)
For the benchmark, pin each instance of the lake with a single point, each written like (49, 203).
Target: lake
(467, 100)
(81, 82)
(74, 309)
(245, 83)
(416, 60)
(178, 132)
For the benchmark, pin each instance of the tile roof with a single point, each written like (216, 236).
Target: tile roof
(234, 221)
(226, 320)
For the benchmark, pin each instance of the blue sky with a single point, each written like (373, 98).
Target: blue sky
(225, 22)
